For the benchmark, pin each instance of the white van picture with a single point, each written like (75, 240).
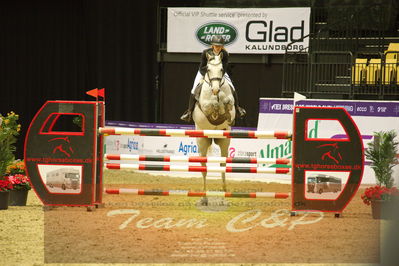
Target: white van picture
(65, 178)
(324, 183)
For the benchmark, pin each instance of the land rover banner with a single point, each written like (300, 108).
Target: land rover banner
(246, 31)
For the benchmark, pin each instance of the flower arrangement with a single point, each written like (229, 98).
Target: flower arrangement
(17, 167)
(378, 193)
(5, 185)
(16, 175)
(9, 130)
(19, 182)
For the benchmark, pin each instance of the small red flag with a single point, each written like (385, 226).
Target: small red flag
(101, 92)
(93, 92)
(96, 92)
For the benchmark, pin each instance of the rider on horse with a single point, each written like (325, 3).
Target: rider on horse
(217, 43)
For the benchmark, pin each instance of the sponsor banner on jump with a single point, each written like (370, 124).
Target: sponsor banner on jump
(246, 31)
(369, 116)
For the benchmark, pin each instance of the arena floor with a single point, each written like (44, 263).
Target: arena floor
(159, 229)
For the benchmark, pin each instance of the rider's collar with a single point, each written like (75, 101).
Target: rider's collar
(213, 51)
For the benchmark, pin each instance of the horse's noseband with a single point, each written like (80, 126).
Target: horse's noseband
(212, 79)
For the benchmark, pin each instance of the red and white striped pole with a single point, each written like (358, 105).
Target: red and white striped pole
(141, 192)
(191, 168)
(196, 159)
(196, 133)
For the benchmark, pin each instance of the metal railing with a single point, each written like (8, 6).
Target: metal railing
(376, 76)
(318, 73)
(340, 73)
(340, 36)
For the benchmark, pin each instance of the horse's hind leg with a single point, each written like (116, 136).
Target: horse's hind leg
(203, 145)
(224, 147)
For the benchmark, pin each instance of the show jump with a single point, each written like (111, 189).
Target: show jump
(49, 146)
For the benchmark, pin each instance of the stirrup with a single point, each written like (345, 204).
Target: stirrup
(241, 112)
(186, 116)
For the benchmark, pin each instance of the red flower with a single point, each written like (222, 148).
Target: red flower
(378, 193)
(5, 185)
(19, 182)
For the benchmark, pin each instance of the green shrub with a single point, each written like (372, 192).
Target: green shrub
(382, 154)
(9, 130)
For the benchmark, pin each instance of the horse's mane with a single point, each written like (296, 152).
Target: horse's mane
(213, 57)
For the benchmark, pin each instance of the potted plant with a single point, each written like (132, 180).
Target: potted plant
(382, 154)
(5, 187)
(380, 198)
(9, 130)
(20, 182)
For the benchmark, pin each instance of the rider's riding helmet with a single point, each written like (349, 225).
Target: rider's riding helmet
(217, 40)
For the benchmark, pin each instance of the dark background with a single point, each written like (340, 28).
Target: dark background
(59, 49)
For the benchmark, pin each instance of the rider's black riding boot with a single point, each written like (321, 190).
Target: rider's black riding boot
(188, 114)
(240, 111)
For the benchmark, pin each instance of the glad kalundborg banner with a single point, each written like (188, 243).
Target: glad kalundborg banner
(246, 31)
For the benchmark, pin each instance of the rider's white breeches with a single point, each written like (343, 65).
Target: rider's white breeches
(199, 77)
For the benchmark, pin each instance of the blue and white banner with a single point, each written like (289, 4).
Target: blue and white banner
(245, 30)
(354, 108)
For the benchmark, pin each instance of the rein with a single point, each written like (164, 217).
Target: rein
(222, 80)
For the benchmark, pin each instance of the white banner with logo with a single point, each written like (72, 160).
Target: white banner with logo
(369, 116)
(246, 30)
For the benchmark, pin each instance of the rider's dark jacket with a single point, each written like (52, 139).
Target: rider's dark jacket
(204, 60)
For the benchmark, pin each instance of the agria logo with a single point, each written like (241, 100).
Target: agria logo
(205, 33)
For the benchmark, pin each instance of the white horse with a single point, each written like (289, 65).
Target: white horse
(214, 110)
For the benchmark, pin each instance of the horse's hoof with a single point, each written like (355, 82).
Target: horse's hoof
(204, 202)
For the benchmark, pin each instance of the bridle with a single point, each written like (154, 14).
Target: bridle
(221, 79)
(212, 79)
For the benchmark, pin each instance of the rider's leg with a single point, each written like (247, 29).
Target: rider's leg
(240, 111)
(197, 80)
(187, 116)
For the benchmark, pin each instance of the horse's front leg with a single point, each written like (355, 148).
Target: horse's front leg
(203, 145)
(224, 147)
(226, 96)
(203, 177)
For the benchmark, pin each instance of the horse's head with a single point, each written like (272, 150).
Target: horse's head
(215, 71)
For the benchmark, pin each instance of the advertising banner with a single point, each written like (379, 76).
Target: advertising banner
(369, 116)
(246, 31)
